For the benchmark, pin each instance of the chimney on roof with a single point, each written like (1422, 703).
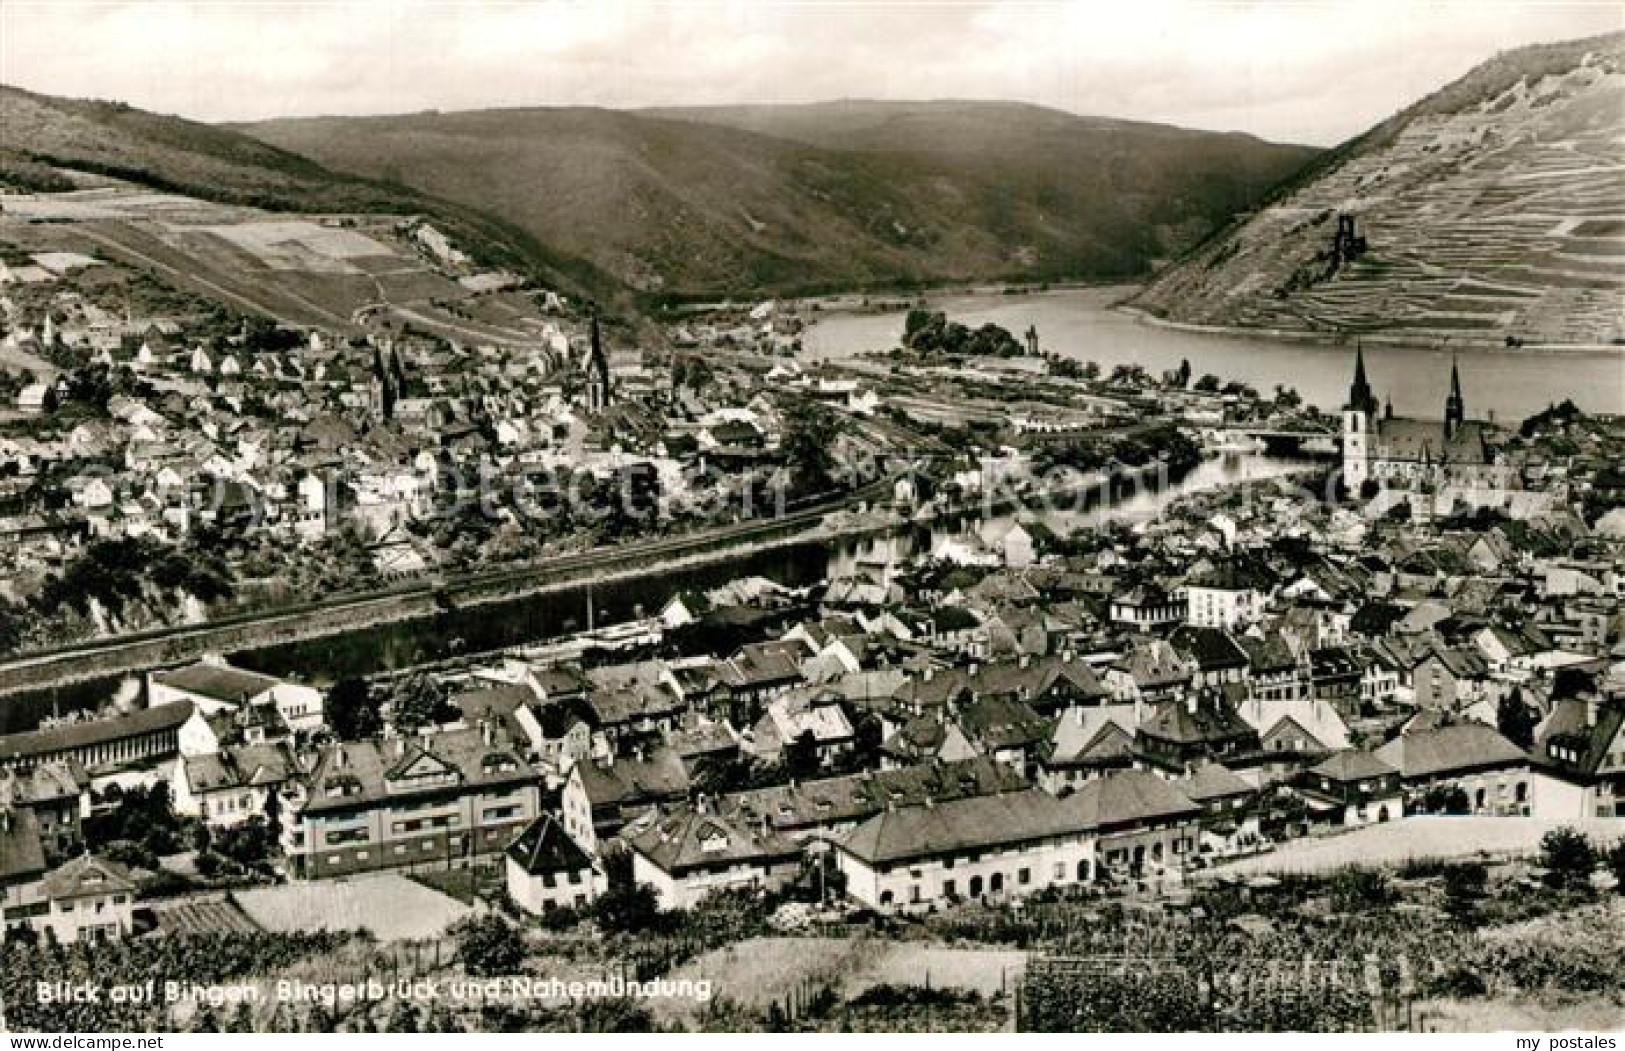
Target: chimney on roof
(973, 668)
(1593, 709)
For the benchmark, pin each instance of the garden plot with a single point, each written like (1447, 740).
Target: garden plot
(297, 244)
(392, 907)
(762, 971)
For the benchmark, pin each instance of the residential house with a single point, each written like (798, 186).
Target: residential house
(1229, 595)
(57, 794)
(598, 801)
(548, 870)
(231, 786)
(88, 899)
(1450, 678)
(1179, 734)
(912, 858)
(1353, 787)
(695, 851)
(1086, 742)
(1147, 608)
(1579, 759)
(1144, 826)
(448, 800)
(1491, 770)
(1228, 814)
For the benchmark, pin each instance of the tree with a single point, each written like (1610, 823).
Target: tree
(1447, 799)
(801, 756)
(1616, 865)
(13, 623)
(1515, 720)
(918, 321)
(489, 946)
(809, 434)
(627, 909)
(352, 710)
(1568, 858)
(1208, 384)
(420, 702)
(626, 906)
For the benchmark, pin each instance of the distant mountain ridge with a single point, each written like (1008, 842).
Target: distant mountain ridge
(740, 200)
(1492, 211)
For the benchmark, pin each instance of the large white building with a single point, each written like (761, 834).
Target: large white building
(996, 847)
(214, 687)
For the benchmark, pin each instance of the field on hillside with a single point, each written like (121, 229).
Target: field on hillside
(332, 272)
(1417, 838)
(392, 907)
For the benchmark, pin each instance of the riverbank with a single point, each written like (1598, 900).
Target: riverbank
(1386, 339)
(869, 304)
(1499, 384)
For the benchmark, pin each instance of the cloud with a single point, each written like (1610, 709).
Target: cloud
(1309, 72)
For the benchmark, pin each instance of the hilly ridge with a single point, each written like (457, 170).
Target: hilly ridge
(40, 134)
(1492, 211)
(800, 198)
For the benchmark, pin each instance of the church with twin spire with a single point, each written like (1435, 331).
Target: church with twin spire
(1389, 449)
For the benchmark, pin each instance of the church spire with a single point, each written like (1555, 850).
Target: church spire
(1455, 411)
(1360, 397)
(598, 389)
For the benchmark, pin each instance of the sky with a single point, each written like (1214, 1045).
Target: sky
(1301, 71)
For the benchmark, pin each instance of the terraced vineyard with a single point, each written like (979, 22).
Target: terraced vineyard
(204, 916)
(1491, 212)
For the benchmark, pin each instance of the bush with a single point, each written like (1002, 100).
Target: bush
(1463, 887)
(1360, 890)
(560, 919)
(616, 1016)
(489, 946)
(1568, 857)
(129, 853)
(1458, 982)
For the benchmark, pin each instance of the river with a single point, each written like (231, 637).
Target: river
(512, 622)
(1503, 385)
